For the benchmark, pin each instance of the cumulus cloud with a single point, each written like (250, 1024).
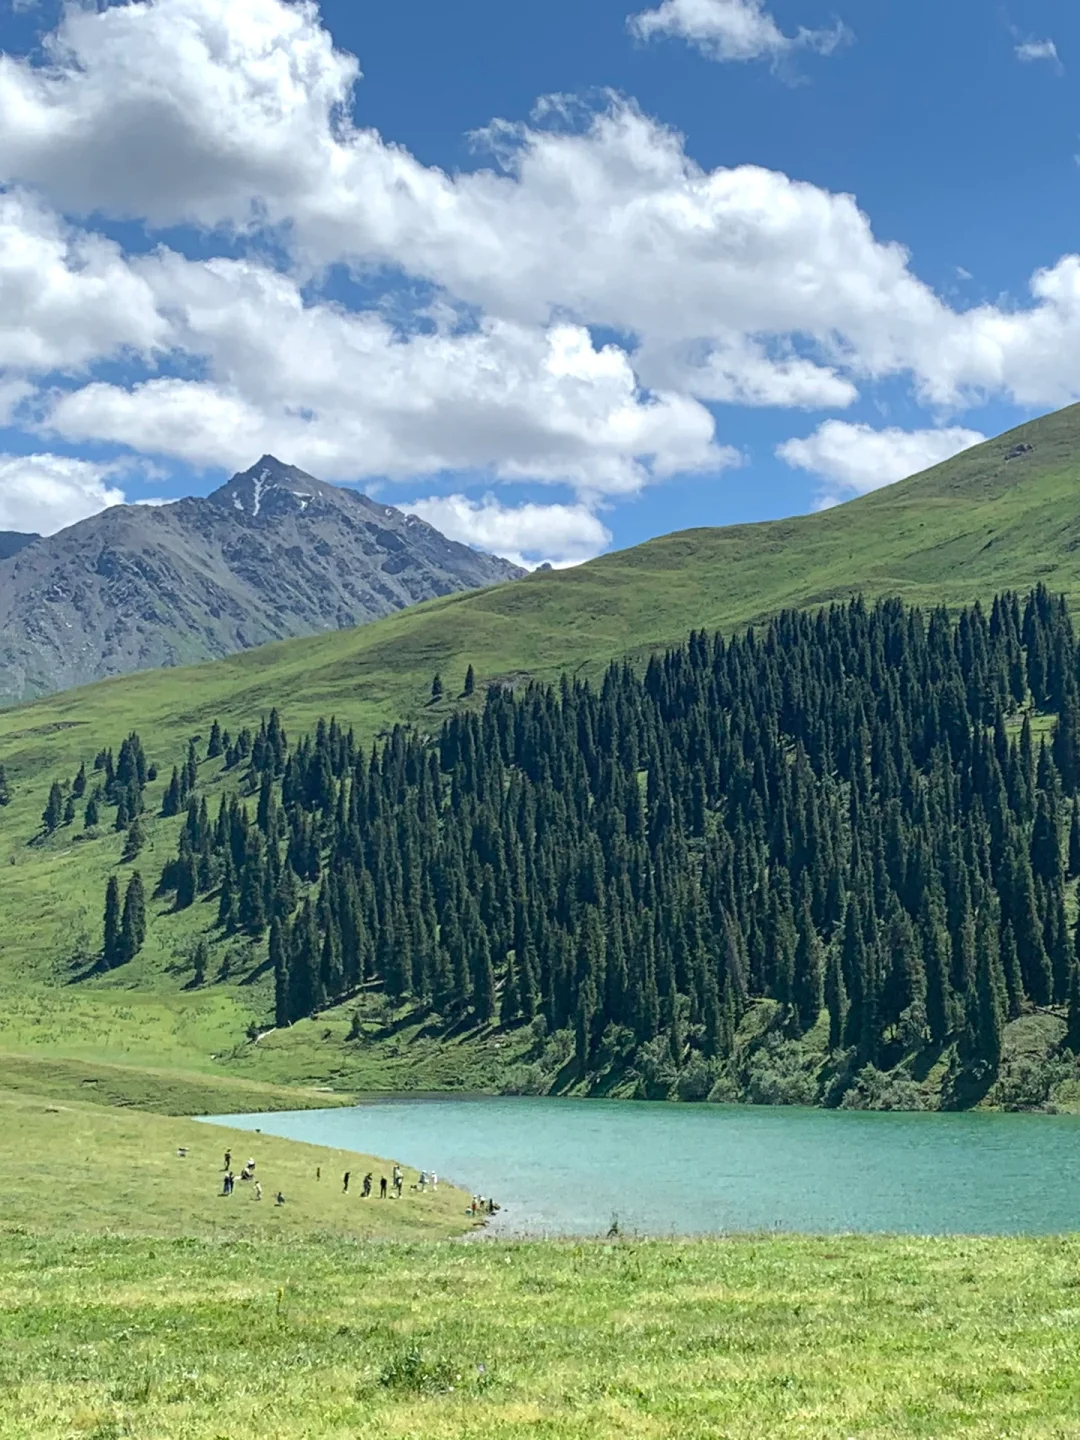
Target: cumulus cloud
(730, 29)
(528, 535)
(731, 286)
(69, 297)
(854, 459)
(1032, 50)
(185, 110)
(45, 493)
(347, 396)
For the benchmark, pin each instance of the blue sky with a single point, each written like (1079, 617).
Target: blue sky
(642, 305)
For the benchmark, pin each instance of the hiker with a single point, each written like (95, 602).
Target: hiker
(318, 1172)
(251, 1166)
(434, 1181)
(367, 1186)
(225, 1184)
(228, 1159)
(421, 1184)
(280, 1199)
(345, 1182)
(491, 1207)
(399, 1180)
(382, 1187)
(258, 1190)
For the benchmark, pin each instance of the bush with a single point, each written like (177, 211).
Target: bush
(876, 1090)
(557, 1051)
(778, 1076)
(657, 1075)
(525, 1080)
(696, 1079)
(1026, 1084)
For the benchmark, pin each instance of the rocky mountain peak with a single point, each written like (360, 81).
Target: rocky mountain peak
(270, 554)
(272, 487)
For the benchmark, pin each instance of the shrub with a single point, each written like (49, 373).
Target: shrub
(778, 1076)
(876, 1090)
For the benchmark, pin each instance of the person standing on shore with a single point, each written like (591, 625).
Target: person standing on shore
(382, 1187)
(367, 1186)
(345, 1182)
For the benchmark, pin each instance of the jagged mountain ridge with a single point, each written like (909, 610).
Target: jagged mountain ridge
(273, 554)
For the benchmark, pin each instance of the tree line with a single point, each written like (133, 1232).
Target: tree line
(845, 812)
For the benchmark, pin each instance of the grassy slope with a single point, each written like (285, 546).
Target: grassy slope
(66, 1164)
(975, 525)
(875, 1338)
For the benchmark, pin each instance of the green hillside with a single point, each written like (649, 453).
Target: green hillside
(980, 523)
(1001, 516)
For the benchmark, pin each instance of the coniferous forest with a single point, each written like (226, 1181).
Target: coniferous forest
(845, 814)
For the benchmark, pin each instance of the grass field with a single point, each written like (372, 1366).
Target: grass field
(744, 1339)
(979, 523)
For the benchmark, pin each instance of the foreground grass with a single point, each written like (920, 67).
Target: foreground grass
(72, 1166)
(743, 1339)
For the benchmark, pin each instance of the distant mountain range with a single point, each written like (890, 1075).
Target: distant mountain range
(272, 554)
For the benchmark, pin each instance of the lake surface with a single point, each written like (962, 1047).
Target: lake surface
(561, 1167)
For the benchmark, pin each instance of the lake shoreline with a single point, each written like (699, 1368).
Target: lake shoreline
(719, 1170)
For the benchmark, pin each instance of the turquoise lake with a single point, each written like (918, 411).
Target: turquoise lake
(567, 1167)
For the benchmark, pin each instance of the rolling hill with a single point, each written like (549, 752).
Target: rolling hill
(1002, 515)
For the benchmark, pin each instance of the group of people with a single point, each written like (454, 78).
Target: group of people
(479, 1205)
(228, 1183)
(393, 1188)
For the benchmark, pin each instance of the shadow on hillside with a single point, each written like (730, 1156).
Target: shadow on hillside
(88, 970)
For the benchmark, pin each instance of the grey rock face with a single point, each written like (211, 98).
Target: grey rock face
(272, 554)
(12, 541)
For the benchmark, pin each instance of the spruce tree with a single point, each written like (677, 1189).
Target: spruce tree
(280, 966)
(133, 921)
(110, 947)
(53, 813)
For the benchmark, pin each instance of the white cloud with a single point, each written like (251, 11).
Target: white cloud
(525, 534)
(730, 29)
(733, 285)
(346, 396)
(1032, 50)
(45, 493)
(854, 459)
(237, 115)
(179, 109)
(69, 297)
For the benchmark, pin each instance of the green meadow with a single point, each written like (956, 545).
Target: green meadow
(266, 1337)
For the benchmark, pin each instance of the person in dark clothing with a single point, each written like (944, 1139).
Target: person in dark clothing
(228, 1159)
(367, 1186)
(382, 1188)
(280, 1199)
(345, 1182)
